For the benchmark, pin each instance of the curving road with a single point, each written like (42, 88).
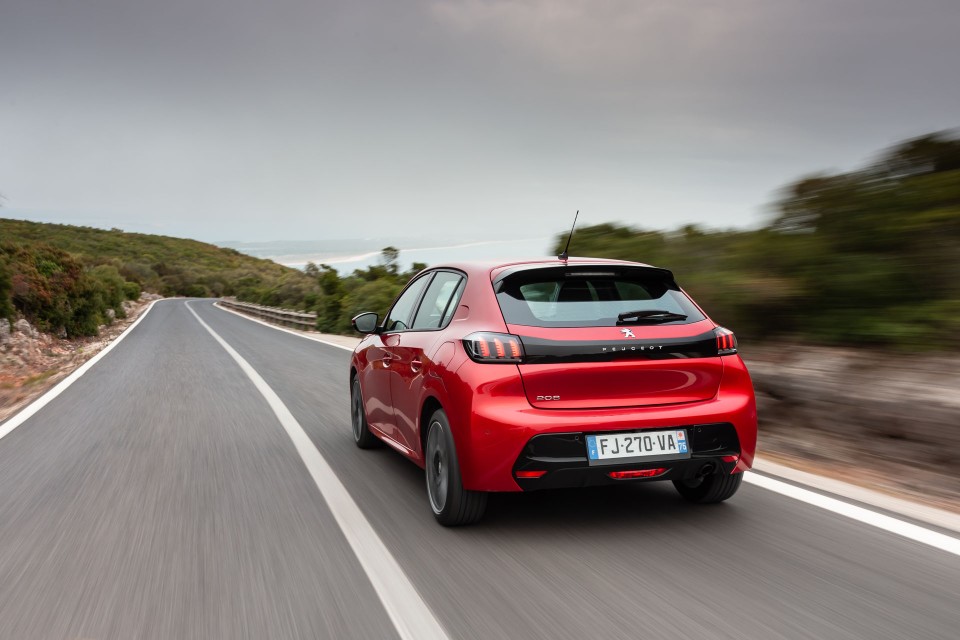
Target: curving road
(161, 496)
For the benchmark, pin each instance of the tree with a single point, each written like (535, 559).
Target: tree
(376, 295)
(389, 258)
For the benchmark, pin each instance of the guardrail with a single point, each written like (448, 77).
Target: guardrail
(273, 315)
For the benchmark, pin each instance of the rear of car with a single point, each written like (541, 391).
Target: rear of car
(554, 374)
(620, 376)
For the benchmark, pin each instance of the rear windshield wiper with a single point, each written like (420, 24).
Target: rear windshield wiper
(649, 315)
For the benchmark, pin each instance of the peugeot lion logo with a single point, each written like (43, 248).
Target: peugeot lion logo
(628, 333)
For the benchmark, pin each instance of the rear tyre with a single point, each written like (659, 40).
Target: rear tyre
(452, 505)
(715, 487)
(358, 419)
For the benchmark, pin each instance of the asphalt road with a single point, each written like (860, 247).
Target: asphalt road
(160, 497)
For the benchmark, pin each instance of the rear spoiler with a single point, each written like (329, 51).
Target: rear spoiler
(584, 268)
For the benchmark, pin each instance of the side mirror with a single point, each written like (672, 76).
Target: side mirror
(366, 322)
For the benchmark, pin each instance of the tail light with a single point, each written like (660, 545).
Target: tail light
(726, 341)
(485, 346)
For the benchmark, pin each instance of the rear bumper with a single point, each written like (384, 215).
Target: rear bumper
(495, 426)
(714, 447)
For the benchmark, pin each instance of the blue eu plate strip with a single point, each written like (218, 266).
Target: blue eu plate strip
(592, 447)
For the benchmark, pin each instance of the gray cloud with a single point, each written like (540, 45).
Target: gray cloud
(295, 119)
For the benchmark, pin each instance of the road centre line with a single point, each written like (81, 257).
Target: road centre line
(887, 523)
(866, 516)
(31, 409)
(409, 613)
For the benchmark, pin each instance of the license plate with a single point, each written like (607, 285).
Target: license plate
(649, 445)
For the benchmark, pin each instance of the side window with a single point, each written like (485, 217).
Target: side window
(454, 303)
(438, 299)
(400, 315)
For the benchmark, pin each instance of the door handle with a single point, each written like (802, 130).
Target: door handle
(387, 357)
(416, 364)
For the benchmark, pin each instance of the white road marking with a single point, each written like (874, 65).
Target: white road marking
(299, 334)
(410, 614)
(31, 409)
(913, 510)
(860, 514)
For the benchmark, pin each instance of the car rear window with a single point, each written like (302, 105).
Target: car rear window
(566, 297)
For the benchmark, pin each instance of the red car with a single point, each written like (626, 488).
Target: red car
(549, 374)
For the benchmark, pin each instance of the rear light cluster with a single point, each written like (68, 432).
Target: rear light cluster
(486, 346)
(726, 341)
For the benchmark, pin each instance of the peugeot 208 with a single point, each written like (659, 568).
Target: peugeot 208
(552, 374)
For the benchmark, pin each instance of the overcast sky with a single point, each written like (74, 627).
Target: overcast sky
(308, 120)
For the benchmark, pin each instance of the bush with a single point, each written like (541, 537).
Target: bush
(131, 290)
(111, 287)
(375, 295)
(55, 292)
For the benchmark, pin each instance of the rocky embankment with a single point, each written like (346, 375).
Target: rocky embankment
(886, 420)
(32, 362)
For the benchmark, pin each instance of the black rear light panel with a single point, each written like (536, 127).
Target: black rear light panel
(542, 351)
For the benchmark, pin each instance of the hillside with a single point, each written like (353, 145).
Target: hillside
(67, 279)
(870, 257)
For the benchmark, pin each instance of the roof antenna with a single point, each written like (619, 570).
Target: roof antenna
(564, 256)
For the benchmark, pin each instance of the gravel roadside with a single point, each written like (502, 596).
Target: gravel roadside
(32, 362)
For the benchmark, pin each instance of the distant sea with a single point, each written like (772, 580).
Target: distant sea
(347, 255)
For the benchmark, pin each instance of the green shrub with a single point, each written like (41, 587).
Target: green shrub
(131, 290)
(55, 292)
